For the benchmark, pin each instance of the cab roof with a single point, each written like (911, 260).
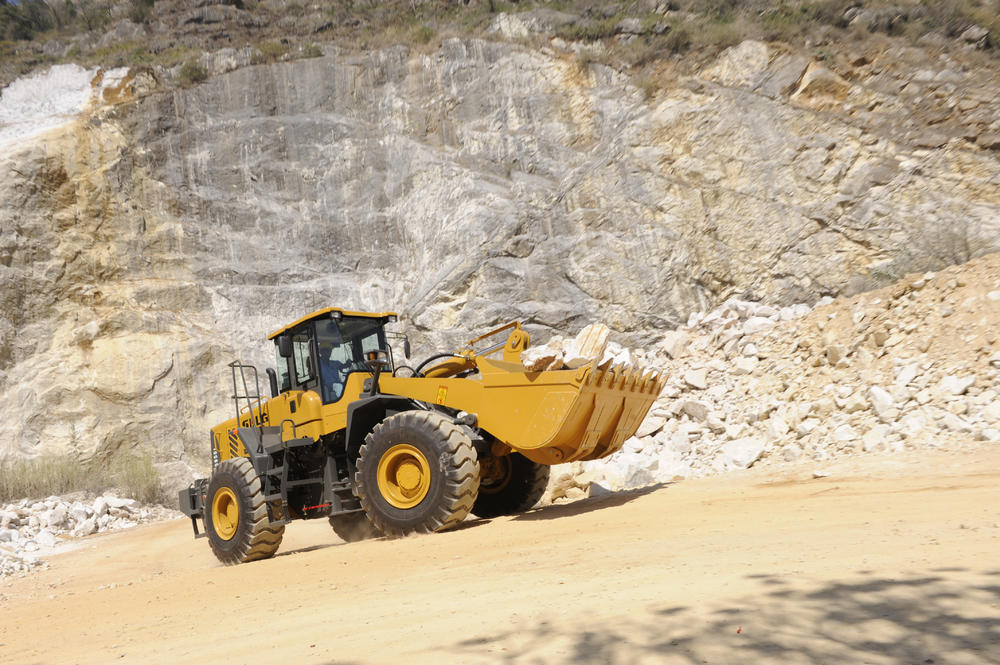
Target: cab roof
(322, 313)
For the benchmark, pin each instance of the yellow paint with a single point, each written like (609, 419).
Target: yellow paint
(404, 476)
(550, 417)
(225, 513)
(326, 310)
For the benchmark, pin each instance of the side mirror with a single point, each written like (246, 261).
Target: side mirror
(406, 347)
(272, 379)
(284, 346)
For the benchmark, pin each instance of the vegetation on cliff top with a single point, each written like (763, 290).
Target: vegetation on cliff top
(36, 33)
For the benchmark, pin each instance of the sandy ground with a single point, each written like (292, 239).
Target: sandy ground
(886, 561)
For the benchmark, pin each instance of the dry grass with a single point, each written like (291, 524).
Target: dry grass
(133, 476)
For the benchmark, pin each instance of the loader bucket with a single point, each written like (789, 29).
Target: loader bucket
(565, 415)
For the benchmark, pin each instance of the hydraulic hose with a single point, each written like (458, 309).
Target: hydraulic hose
(436, 356)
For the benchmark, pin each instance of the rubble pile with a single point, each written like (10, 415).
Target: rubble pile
(907, 367)
(31, 529)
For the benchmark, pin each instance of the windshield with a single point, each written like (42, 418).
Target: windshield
(342, 345)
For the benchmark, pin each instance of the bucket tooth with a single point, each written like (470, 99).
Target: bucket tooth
(633, 377)
(606, 413)
(650, 380)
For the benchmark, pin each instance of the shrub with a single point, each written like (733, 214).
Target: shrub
(140, 11)
(588, 31)
(192, 73)
(266, 52)
(678, 40)
(312, 51)
(424, 34)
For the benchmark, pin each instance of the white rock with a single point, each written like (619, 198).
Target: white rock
(616, 355)
(854, 403)
(541, 358)
(633, 444)
(791, 452)
(715, 423)
(741, 453)
(45, 538)
(845, 433)
(744, 365)
(586, 346)
(680, 441)
(954, 385)
(806, 426)
(874, 438)
(776, 428)
(694, 409)
(674, 343)
(696, 378)
(952, 422)
(881, 401)
(85, 527)
(78, 512)
(757, 324)
(54, 518)
(100, 506)
(913, 424)
(671, 466)
(836, 353)
(634, 471)
(125, 504)
(765, 311)
(650, 425)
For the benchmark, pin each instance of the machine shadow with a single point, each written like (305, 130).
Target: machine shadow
(907, 620)
(583, 506)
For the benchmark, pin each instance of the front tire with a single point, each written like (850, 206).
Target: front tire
(417, 473)
(510, 484)
(236, 519)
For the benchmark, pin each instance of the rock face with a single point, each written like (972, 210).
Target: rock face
(149, 241)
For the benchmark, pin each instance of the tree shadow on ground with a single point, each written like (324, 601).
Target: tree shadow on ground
(935, 619)
(582, 506)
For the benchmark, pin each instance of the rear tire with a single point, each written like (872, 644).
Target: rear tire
(236, 519)
(353, 527)
(510, 484)
(417, 473)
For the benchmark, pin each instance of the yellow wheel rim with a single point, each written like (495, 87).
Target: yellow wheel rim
(494, 474)
(225, 513)
(404, 476)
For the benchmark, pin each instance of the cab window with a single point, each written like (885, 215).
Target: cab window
(342, 344)
(302, 357)
(284, 378)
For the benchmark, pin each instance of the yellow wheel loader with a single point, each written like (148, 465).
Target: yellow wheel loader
(381, 449)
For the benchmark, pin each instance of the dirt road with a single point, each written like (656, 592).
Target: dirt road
(886, 561)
